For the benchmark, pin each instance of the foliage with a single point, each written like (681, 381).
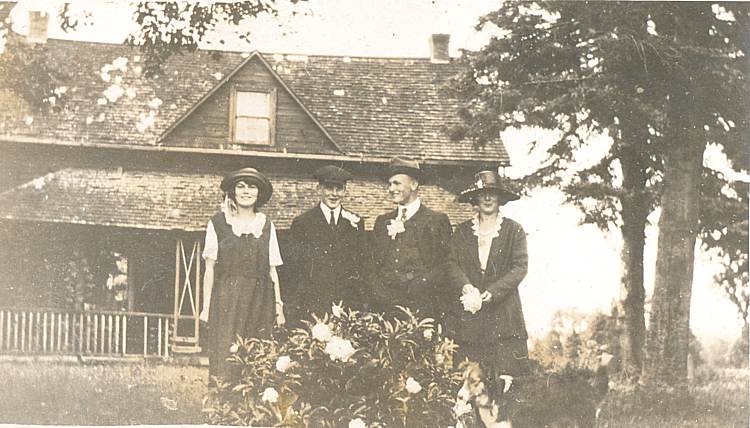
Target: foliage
(724, 229)
(659, 79)
(346, 367)
(166, 28)
(576, 340)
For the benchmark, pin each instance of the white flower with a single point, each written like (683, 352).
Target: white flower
(234, 348)
(461, 408)
(283, 363)
(337, 309)
(270, 395)
(353, 218)
(427, 334)
(471, 299)
(394, 228)
(321, 332)
(357, 423)
(339, 349)
(412, 386)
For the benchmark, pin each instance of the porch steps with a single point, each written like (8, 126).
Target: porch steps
(185, 349)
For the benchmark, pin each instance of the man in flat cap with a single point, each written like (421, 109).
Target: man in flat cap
(326, 248)
(409, 247)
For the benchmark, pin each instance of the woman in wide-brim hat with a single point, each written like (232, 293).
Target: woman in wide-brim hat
(487, 262)
(241, 294)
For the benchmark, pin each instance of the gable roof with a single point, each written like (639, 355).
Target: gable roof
(182, 201)
(373, 108)
(226, 79)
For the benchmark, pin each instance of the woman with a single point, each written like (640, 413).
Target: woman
(241, 294)
(487, 262)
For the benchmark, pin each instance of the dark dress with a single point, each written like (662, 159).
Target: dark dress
(242, 298)
(496, 335)
(325, 262)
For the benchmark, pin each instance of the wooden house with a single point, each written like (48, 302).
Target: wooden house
(106, 189)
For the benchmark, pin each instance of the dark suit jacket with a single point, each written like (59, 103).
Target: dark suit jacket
(324, 263)
(420, 284)
(502, 317)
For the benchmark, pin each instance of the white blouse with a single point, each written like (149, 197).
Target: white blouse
(484, 239)
(239, 228)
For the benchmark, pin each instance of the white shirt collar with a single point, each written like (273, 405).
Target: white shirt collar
(327, 212)
(411, 209)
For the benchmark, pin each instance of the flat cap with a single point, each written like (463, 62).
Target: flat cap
(332, 174)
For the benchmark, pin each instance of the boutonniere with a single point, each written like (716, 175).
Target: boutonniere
(395, 227)
(354, 219)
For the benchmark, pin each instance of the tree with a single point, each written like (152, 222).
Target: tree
(614, 68)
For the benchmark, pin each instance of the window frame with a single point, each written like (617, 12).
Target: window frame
(271, 93)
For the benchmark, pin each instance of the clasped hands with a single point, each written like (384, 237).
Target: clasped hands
(472, 299)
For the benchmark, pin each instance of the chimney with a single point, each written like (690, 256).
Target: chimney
(439, 48)
(38, 21)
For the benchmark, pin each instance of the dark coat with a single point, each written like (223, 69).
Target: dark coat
(324, 263)
(502, 317)
(410, 269)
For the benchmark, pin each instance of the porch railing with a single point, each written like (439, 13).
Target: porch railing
(96, 333)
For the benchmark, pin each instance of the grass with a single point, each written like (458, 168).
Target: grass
(125, 394)
(103, 394)
(716, 399)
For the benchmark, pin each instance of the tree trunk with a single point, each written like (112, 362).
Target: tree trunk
(669, 333)
(635, 210)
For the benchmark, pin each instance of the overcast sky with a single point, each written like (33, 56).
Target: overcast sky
(571, 266)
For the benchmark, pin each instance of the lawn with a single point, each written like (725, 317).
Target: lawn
(101, 394)
(141, 393)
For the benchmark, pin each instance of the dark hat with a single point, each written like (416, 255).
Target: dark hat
(253, 176)
(332, 174)
(409, 167)
(488, 180)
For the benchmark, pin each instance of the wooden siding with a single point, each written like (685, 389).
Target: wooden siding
(209, 125)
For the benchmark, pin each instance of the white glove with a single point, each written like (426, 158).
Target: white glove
(471, 299)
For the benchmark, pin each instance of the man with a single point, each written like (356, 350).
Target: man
(326, 247)
(409, 247)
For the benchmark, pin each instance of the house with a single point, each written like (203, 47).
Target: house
(108, 183)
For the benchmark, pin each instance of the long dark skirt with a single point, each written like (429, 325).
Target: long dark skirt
(239, 306)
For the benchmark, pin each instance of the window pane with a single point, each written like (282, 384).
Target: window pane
(251, 129)
(252, 104)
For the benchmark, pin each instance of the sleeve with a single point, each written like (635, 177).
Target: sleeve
(517, 271)
(274, 254)
(211, 246)
(456, 276)
(441, 249)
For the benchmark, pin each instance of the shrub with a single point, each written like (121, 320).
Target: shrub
(350, 368)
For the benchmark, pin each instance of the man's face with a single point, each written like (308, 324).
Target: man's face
(332, 194)
(402, 189)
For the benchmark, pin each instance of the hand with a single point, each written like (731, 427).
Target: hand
(280, 319)
(203, 315)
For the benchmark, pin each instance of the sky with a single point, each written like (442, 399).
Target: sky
(571, 266)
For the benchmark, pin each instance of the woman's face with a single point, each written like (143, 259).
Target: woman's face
(245, 194)
(488, 202)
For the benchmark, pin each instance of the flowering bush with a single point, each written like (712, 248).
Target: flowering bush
(350, 368)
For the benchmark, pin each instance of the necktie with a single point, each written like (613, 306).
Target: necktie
(403, 214)
(331, 221)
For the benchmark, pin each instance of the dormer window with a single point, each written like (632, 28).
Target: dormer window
(253, 116)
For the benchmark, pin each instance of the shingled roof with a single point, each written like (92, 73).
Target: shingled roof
(371, 107)
(178, 201)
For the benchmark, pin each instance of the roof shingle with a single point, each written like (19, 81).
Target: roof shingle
(372, 107)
